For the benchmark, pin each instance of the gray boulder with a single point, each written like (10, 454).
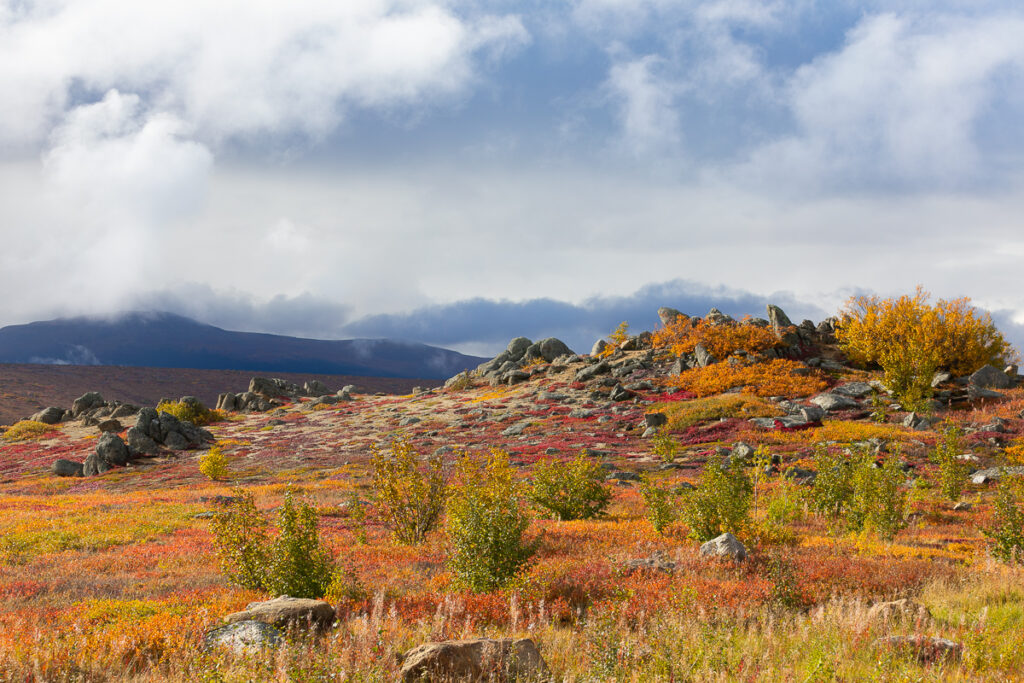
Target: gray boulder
(592, 371)
(725, 546)
(552, 348)
(831, 402)
(112, 449)
(926, 649)
(778, 319)
(480, 659)
(996, 473)
(703, 356)
(66, 468)
(243, 637)
(93, 465)
(110, 425)
(667, 315)
(50, 416)
(315, 389)
(86, 402)
(273, 389)
(140, 442)
(599, 346)
(285, 612)
(991, 377)
(853, 389)
(517, 348)
(716, 317)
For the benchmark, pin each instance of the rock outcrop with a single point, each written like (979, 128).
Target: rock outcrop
(473, 661)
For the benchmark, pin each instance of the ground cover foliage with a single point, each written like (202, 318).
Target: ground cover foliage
(118, 577)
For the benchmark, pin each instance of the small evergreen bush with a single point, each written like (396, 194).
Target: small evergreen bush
(720, 503)
(486, 524)
(410, 499)
(570, 490)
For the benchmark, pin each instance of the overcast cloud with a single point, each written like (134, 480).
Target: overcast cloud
(459, 172)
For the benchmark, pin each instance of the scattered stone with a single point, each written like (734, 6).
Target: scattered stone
(962, 506)
(853, 389)
(832, 402)
(801, 476)
(917, 422)
(898, 610)
(285, 612)
(667, 315)
(703, 356)
(480, 659)
(995, 474)
(658, 561)
(623, 476)
(655, 419)
(516, 429)
(620, 393)
(86, 402)
(243, 637)
(110, 425)
(67, 468)
(94, 465)
(926, 649)
(727, 546)
(406, 421)
(50, 416)
(112, 449)
(991, 377)
(592, 371)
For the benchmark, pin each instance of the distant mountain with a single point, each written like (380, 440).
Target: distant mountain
(165, 340)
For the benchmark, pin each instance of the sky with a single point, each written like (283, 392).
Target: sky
(462, 172)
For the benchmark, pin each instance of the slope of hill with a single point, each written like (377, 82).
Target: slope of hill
(26, 389)
(125, 560)
(164, 340)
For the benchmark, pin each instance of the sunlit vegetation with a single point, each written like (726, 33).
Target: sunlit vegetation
(778, 377)
(26, 430)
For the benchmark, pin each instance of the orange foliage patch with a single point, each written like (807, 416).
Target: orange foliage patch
(722, 339)
(778, 377)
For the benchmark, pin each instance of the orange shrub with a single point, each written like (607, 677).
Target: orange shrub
(722, 339)
(778, 377)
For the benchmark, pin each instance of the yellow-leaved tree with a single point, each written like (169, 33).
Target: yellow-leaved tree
(911, 339)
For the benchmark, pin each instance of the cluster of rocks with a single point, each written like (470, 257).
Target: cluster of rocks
(268, 393)
(152, 430)
(508, 366)
(91, 408)
(264, 625)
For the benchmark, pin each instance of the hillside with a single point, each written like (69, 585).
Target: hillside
(126, 558)
(164, 340)
(26, 389)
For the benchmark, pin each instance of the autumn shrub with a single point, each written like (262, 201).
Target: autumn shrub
(191, 411)
(214, 464)
(1006, 528)
(570, 490)
(410, 499)
(615, 339)
(778, 377)
(292, 562)
(910, 339)
(664, 446)
(722, 339)
(879, 501)
(25, 430)
(486, 524)
(785, 504)
(833, 484)
(952, 472)
(720, 503)
(683, 414)
(659, 503)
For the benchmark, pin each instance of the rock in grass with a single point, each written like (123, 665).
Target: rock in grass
(479, 659)
(897, 610)
(926, 649)
(49, 416)
(831, 402)
(286, 612)
(991, 377)
(67, 468)
(243, 637)
(112, 449)
(725, 546)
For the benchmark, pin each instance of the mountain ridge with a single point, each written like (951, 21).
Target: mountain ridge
(161, 339)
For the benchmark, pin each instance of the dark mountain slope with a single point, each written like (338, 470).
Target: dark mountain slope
(165, 340)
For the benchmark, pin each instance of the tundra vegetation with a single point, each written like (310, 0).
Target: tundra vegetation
(562, 499)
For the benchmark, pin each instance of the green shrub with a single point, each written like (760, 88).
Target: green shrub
(660, 502)
(833, 485)
(1007, 526)
(190, 410)
(952, 472)
(294, 562)
(410, 500)
(485, 525)
(785, 505)
(664, 446)
(24, 430)
(720, 503)
(879, 500)
(570, 490)
(214, 464)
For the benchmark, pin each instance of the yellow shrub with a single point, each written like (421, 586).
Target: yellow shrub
(910, 339)
(214, 464)
(778, 377)
(194, 412)
(722, 339)
(683, 414)
(616, 338)
(28, 429)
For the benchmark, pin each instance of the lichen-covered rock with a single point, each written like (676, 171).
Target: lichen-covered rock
(926, 649)
(725, 546)
(49, 416)
(112, 449)
(243, 637)
(991, 377)
(86, 402)
(286, 612)
(475, 661)
(66, 468)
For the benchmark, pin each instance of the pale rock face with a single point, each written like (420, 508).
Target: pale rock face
(480, 659)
